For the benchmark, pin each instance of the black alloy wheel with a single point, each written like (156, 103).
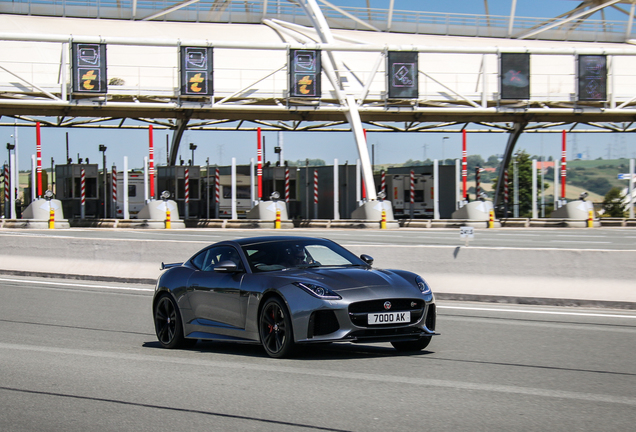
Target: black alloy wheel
(168, 323)
(413, 346)
(275, 329)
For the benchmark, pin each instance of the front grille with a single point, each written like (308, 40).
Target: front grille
(358, 311)
(322, 323)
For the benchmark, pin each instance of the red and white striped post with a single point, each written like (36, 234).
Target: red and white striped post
(39, 158)
(563, 164)
(286, 185)
(259, 167)
(113, 210)
(151, 163)
(412, 193)
(383, 183)
(464, 164)
(315, 194)
(217, 190)
(477, 182)
(187, 193)
(7, 214)
(83, 193)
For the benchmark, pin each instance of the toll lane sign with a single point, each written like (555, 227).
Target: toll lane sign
(304, 73)
(402, 74)
(89, 68)
(196, 71)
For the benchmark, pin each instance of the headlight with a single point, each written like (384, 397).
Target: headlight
(422, 285)
(318, 291)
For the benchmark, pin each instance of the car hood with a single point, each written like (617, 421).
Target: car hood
(344, 280)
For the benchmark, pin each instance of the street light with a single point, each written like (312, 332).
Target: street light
(443, 160)
(102, 148)
(193, 147)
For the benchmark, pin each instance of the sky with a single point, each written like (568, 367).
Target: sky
(389, 148)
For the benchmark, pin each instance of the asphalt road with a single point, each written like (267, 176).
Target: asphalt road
(554, 238)
(82, 356)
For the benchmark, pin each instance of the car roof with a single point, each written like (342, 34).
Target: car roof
(270, 239)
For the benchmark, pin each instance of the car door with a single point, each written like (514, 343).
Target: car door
(215, 296)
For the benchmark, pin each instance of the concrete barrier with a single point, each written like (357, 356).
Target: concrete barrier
(586, 277)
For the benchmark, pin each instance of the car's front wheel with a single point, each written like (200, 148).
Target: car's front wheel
(168, 323)
(275, 329)
(417, 345)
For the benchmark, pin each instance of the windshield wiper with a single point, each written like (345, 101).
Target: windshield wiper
(304, 266)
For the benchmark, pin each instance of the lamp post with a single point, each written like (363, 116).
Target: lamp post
(193, 147)
(443, 160)
(102, 148)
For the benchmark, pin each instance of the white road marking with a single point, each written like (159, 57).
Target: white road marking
(76, 285)
(586, 314)
(579, 241)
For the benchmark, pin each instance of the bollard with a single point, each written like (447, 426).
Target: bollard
(383, 220)
(168, 225)
(491, 219)
(277, 223)
(590, 219)
(52, 219)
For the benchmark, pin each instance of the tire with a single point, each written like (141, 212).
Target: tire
(168, 324)
(275, 329)
(412, 346)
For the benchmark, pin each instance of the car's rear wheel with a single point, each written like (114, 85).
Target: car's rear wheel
(417, 345)
(168, 324)
(275, 329)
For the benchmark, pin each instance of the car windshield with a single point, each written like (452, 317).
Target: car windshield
(298, 254)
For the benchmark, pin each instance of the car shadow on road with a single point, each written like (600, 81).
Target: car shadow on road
(332, 351)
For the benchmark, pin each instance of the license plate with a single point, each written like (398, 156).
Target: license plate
(389, 318)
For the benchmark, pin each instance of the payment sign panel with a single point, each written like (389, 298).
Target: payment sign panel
(402, 75)
(89, 68)
(592, 77)
(514, 76)
(304, 73)
(196, 71)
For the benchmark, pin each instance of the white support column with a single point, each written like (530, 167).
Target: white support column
(33, 179)
(252, 183)
(631, 186)
(336, 198)
(281, 155)
(125, 191)
(14, 185)
(534, 189)
(435, 189)
(234, 214)
(358, 182)
(458, 193)
(146, 189)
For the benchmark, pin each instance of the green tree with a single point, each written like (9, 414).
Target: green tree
(613, 203)
(524, 168)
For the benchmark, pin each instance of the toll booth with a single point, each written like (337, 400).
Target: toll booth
(136, 193)
(447, 187)
(243, 193)
(172, 179)
(347, 202)
(69, 190)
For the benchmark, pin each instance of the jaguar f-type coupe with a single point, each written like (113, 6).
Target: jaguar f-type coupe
(284, 292)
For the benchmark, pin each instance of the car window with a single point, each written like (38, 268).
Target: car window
(209, 258)
(280, 255)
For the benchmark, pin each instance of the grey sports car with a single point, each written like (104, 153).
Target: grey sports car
(284, 292)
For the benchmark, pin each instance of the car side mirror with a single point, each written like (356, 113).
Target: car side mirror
(367, 259)
(226, 267)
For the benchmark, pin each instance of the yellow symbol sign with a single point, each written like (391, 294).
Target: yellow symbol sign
(87, 78)
(196, 79)
(304, 82)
